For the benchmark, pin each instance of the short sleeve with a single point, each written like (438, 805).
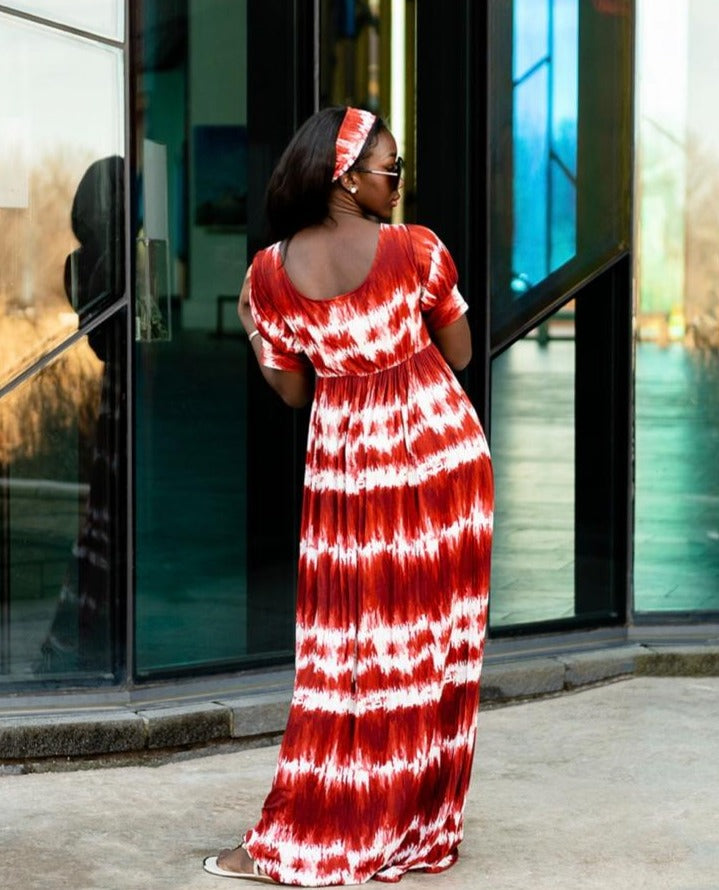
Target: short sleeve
(440, 301)
(280, 347)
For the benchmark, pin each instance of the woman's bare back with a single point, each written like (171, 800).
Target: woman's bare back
(333, 259)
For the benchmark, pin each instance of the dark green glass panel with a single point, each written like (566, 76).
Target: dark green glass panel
(676, 550)
(206, 598)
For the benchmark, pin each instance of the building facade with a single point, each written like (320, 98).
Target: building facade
(150, 483)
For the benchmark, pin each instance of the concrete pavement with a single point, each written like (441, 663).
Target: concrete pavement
(616, 786)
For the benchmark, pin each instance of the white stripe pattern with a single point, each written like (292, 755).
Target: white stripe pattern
(377, 329)
(402, 546)
(332, 441)
(375, 632)
(384, 476)
(388, 700)
(333, 667)
(378, 416)
(361, 773)
(381, 846)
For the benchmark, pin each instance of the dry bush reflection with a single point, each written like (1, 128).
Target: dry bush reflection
(44, 420)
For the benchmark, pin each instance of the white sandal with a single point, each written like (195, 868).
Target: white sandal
(210, 865)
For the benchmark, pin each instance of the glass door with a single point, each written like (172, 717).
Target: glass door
(215, 493)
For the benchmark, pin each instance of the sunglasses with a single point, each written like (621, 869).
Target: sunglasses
(395, 172)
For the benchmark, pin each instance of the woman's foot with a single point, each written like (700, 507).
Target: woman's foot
(236, 863)
(237, 860)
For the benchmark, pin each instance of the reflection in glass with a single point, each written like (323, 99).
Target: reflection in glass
(60, 532)
(65, 111)
(103, 17)
(677, 352)
(533, 455)
(367, 59)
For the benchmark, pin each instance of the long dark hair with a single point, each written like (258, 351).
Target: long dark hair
(298, 193)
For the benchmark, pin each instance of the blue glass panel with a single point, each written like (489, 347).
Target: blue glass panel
(531, 34)
(563, 218)
(565, 81)
(531, 172)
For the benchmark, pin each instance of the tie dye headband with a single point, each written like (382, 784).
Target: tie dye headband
(352, 135)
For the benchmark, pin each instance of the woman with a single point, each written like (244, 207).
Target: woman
(396, 523)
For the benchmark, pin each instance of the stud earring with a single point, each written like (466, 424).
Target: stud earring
(353, 190)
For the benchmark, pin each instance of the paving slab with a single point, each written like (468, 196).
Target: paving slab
(610, 788)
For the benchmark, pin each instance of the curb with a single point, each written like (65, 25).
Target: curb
(254, 720)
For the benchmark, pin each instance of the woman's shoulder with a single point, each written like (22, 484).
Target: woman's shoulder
(266, 273)
(267, 261)
(270, 254)
(426, 245)
(421, 236)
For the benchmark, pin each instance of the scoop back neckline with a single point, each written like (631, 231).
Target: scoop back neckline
(345, 294)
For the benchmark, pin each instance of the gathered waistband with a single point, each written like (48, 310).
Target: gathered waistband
(430, 347)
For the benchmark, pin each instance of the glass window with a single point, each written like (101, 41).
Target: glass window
(64, 113)
(560, 177)
(62, 519)
(195, 605)
(533, 455)
(676, 552)
(102, 17)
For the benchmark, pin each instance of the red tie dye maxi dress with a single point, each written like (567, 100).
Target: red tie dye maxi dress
(393, 575)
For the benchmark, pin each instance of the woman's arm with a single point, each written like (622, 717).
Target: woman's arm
(454, 341)
(293, 387)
